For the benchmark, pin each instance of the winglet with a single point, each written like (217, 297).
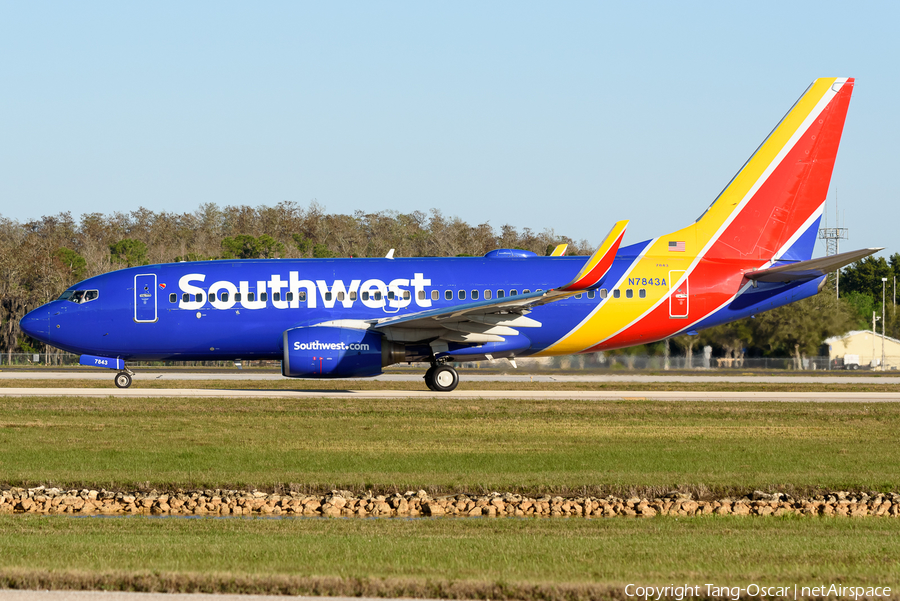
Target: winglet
(600, 262)
(560, 250)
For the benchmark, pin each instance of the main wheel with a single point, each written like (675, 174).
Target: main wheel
(123, 380)
(444, 378)
(429, 377)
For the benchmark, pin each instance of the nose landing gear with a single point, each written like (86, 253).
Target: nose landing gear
(441, 378)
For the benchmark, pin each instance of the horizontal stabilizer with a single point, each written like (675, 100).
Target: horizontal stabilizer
(808, 270)
(600, 262)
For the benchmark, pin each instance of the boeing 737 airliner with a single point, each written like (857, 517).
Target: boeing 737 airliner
(333, 318)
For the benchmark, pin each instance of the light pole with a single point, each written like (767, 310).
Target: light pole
(883, 322)
(874, 338)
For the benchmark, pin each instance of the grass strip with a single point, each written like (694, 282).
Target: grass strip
(155, 582)
(526, 446)
(461, 558)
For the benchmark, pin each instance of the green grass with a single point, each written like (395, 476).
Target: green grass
(448, 445)
(723, 550)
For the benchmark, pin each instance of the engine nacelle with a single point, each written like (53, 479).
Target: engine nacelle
(330, 352)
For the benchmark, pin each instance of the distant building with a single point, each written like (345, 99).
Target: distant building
(857, 347)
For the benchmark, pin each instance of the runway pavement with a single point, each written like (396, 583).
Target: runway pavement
(306, 387)
(586, 395)
(465, 375)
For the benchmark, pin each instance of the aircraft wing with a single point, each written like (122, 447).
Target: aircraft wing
(808, 270)
(485, 321)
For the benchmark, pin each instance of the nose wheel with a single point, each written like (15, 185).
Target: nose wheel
(123, 379)
(441, 378)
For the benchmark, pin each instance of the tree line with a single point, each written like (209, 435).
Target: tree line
(39, 259)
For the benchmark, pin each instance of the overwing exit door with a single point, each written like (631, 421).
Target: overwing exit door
(145, 298)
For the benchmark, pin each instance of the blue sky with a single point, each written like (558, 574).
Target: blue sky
(563, 115)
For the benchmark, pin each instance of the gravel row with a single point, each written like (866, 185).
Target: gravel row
(43, 500)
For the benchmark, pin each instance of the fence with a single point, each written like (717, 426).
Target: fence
(624, 362)
(591, 362)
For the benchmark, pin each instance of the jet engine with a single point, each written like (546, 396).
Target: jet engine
(331, 352)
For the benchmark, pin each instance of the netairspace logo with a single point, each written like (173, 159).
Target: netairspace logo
(316, 345)
(790, 591)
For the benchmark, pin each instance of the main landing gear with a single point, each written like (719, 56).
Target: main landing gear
(123, 378)
(441, 378)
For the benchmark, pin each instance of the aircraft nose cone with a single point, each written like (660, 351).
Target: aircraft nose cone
(36, 324)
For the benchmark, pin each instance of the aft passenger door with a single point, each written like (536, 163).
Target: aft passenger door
(679, 297)
(145, 298)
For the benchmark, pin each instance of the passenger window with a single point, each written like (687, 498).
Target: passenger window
(487, 295)
(365, 295)
(513, 293)
(301, 296)
(617, 293)
(604, 293)
(340, 296)
(462, 295)
(200, 298)
(353, 295)
(526, 291)
(435, 295)
(629, 293)
(591, 294)
(264, 296)
(421, 295)
(578, 296)
(448, 294)
(501, 294)
(185, 298)
(391, 295)
(406, 295)
(474, 295)
(378, 296)
(237, 297)
(328, 296)
(289, 296)
(223, 297)
(276, 296)
(173, 298)
(251, 296)
(642, 293)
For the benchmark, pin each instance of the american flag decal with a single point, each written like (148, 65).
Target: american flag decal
(677, 247)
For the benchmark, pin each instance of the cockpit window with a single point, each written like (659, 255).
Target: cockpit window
(80, 296)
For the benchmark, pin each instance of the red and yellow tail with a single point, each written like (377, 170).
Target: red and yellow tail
(768, 212)
(783, 185)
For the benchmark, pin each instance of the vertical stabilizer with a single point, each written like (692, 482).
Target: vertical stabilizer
(778, 195)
